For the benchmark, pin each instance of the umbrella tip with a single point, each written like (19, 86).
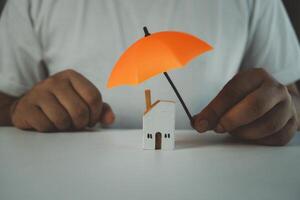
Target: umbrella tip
(146, 31)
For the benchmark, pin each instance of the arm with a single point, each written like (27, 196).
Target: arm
(64, 101)
(260, 105)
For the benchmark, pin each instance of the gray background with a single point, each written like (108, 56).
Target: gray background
(2, 2)
(293, 8)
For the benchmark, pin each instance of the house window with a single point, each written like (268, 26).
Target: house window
(165, 135)
(168, 135)
(149, 136)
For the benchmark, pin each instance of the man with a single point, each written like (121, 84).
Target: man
(56, 57)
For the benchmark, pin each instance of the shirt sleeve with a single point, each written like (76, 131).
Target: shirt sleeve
(20, 51)
(272, 42)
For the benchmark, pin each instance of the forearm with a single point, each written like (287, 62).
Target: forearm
(6, 103)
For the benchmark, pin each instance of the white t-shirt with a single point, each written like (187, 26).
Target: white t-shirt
(41, 37)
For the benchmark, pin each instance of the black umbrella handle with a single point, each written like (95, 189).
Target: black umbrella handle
(179, 97)
(173, 86)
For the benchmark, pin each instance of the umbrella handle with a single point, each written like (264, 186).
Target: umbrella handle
(173, 86)
(179, 97)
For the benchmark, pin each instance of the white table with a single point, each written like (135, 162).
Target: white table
(110, 164)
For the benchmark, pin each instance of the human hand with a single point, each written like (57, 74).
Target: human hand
(64, 101)
(252, 106)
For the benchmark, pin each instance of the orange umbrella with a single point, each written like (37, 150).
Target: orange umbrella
(155, 54)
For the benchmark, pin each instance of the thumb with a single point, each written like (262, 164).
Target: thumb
(206, 120)
(107, 116)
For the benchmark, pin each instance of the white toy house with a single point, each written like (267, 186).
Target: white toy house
(158, 124)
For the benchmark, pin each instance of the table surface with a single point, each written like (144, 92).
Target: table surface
(110, 164)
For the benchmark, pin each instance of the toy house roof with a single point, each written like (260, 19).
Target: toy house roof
(156, 103)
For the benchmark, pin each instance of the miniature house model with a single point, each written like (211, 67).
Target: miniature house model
(158, 124)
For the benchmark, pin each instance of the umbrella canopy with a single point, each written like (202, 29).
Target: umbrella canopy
(156, 54)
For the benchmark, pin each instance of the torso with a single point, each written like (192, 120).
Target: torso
(89, 36)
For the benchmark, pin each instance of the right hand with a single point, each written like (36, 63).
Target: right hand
(62, 102)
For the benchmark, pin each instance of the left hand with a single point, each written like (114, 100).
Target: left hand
(252, 106)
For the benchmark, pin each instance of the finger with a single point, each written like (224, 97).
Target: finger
(270, 123)
(282, 137)
(73, 103)
(55, 111)
(39, 121)
(107, 116)
(17, 116)
(252, 107)
(234, 91)
(89, 93)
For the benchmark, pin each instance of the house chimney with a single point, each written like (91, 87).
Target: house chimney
(148, 99)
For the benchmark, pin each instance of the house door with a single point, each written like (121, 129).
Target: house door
(158, 140)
